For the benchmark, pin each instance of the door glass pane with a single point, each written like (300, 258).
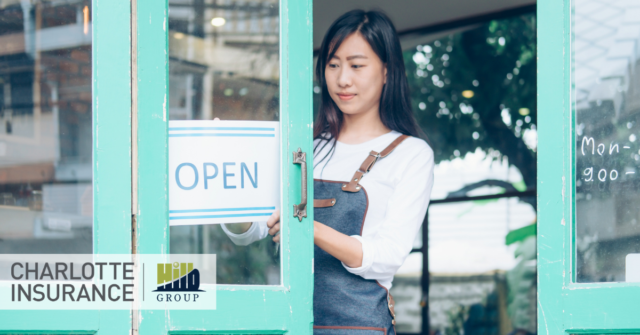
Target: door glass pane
(224, 63)
(606, 98)
(46, 194)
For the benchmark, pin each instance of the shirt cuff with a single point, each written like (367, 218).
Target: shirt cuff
(367, 258)
(251, 235)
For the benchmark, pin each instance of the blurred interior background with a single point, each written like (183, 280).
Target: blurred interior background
(46, 193)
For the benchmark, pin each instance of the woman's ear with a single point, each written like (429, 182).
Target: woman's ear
(385, 74)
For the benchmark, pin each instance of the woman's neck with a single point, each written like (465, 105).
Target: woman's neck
(362, 127)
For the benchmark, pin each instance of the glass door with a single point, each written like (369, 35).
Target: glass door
(588, 166)
(65, 143)
(238, 75)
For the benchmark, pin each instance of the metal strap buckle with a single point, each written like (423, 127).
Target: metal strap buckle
(376, 156)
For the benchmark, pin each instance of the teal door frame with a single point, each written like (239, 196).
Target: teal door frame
(565, 306)
(241, 309)
(111, 64)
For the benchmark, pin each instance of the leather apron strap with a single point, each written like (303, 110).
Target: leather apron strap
(353, 185)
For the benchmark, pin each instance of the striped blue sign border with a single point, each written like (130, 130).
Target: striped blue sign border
(209, 210)
(217, 216)
(221, 135)
(221, 128)
(197, 132)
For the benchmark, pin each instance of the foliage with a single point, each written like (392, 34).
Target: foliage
(496, 63)
(521, 280)
(456, 317)
(477, 89)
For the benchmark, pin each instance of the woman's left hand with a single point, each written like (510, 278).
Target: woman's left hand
(274, 225)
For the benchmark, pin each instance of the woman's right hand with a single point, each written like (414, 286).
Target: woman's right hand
(274, 225)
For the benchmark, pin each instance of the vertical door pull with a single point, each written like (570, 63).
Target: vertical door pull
(300, 211)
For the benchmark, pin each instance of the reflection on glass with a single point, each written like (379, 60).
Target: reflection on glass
(482, 258)
(606, 96)
(477, 282)
(46, 196)
(481, 254)
(224, 63)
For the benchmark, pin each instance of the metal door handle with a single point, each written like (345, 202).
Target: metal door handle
(300, 211)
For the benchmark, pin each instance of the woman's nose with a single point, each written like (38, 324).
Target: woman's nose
(344, 78)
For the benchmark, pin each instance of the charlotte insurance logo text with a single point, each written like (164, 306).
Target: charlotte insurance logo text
(63, 271)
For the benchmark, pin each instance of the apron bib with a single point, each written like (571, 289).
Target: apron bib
(344, 303)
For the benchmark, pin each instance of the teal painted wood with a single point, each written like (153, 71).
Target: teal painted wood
(112, 141)
(112, 126)
(40, 332)
(552, 158)
(111, 172)
(152, 224)
(153, 119)
(297, 109)
(563, 305)
(240, 309)
(50, 322)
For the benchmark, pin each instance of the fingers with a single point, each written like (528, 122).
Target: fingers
(216, 119)
(274, 225)
(273, 219)
(275, 229)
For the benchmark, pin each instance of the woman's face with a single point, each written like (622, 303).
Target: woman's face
(355, 76)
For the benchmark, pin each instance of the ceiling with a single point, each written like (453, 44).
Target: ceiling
(408, 14)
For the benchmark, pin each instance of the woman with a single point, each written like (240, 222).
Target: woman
(367, 216)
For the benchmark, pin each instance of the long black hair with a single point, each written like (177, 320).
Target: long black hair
(395, 102)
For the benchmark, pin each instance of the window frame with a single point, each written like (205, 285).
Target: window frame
(285, 308)
(565, 306)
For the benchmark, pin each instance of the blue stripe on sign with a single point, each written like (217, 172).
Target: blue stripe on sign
(222, 128)
(221, 209)
(217, 216)
(221, 135)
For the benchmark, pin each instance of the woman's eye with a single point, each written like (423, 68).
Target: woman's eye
(356, 66)
(333, 66)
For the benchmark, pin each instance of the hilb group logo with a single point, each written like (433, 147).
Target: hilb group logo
(178, 277)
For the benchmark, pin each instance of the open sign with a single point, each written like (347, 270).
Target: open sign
(223, 171)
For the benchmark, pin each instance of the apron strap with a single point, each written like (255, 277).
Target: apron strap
(322, 203)
(368, 163)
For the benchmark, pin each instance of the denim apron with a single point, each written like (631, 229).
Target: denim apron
(345, 303)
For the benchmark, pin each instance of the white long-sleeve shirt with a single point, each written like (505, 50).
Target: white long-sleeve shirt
(398, 188)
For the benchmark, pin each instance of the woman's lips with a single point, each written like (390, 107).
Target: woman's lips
(346, 97)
